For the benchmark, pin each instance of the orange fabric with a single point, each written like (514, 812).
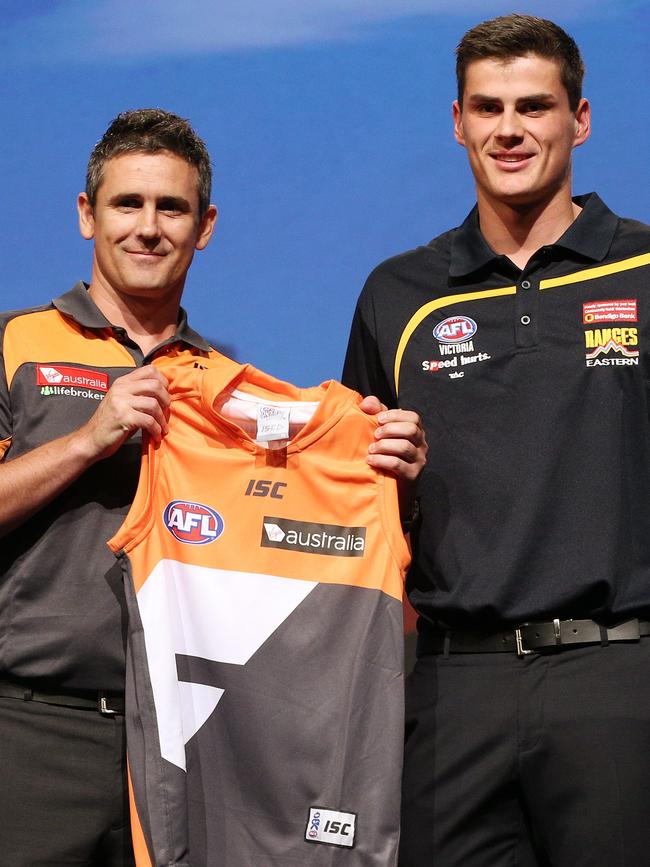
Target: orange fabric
(48, 337)
(321, 479)
(140, 849)
(4, 445)
(314, 492)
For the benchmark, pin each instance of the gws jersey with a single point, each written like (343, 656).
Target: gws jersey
(264, 676)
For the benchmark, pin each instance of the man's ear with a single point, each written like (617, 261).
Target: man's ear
(86, 217)
(458, 122)
(206, 227)
(583, 123)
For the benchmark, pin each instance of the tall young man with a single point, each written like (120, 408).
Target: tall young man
(75, 386)
(520, 339)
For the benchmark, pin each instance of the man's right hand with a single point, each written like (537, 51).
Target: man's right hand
(136, 401)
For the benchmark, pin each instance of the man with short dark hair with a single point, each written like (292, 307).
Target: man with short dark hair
(76, 386)
(519, 339)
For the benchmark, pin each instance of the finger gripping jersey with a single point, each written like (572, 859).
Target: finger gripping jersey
(264, 677)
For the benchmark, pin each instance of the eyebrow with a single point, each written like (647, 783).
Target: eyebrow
(531, 97)
(179, 202)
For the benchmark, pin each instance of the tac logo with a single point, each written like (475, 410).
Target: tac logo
(455, 329)
(192, 523)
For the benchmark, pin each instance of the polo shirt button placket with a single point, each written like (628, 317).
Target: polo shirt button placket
(527, 306)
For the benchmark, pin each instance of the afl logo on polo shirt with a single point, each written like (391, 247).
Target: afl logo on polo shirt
(192, 523)
(455, 329)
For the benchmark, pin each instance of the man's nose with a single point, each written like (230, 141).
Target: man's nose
(510, 125)
(148, 225)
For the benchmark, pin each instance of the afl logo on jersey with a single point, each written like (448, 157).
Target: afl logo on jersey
(455, 329)
(192, 523)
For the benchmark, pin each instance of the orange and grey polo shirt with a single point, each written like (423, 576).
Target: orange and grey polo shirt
(264, 685)
(533, 388)
(62, 609)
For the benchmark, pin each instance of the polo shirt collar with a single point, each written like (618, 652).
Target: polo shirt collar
(589, 236)
(78, 305)
(592, 233)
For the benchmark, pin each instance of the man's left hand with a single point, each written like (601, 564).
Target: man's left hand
(400, 446)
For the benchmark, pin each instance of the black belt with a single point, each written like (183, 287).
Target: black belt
(85, 699)
(529, 637)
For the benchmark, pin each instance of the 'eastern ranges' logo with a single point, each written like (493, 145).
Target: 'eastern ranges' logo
(610, 347)
(310, 538)
(192, 523)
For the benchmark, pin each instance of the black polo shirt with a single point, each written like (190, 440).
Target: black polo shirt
(533, 389)
(62, 607)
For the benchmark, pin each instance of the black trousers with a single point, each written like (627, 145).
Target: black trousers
(63, 794)
(529, 762)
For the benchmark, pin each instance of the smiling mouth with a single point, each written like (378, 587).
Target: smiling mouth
(511, 159)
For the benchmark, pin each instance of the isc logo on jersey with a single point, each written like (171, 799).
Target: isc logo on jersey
(192, 523)
(330, 826)
(455, 329)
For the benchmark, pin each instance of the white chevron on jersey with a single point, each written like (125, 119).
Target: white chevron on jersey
(196, 611)
(197, 701)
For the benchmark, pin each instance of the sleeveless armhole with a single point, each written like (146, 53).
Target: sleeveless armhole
(140, 516)
(391, 523)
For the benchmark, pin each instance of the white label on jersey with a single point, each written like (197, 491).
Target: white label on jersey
(330, 826)
(272, 423)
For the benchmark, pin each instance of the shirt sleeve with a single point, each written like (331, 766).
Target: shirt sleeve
(366, 367)
(6, 425)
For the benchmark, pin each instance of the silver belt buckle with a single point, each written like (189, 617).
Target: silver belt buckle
(103, 707)
(521, 650)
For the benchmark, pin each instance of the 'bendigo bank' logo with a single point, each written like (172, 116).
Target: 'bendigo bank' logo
(329, 539)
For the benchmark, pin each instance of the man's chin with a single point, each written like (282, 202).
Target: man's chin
(143, 289)
(518, 196)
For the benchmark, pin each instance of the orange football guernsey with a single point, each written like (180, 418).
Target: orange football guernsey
(264, 561)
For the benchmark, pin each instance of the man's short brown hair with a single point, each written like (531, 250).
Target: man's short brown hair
(516, 35)
(150, 130)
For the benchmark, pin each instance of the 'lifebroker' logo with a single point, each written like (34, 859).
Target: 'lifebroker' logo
(192, 523)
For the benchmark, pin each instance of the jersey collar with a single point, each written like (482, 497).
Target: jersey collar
(589, 237)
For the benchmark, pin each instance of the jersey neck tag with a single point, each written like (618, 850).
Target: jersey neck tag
(272, 423)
